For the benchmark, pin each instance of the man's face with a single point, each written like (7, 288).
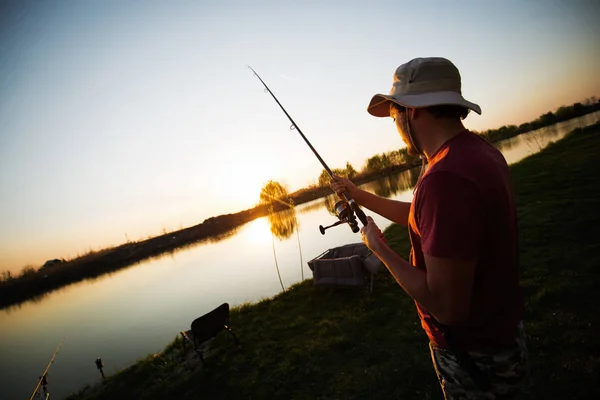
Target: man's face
(398, 114)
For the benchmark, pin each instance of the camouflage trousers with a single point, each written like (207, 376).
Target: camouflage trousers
(506, 370)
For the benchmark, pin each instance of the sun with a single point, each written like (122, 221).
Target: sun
(258, 231)
(249, 181)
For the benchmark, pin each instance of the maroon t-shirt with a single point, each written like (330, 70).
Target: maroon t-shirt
(464, 209)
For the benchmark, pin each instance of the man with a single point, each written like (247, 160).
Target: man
(463, 267)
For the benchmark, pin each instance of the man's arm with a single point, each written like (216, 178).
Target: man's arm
(394, 210)
(449, 216)
(444, 289)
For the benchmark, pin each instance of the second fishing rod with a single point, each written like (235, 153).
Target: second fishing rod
(346, 209)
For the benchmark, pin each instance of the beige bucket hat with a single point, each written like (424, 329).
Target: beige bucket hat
(422, 82)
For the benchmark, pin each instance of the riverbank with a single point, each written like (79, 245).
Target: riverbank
(307, 343)
(34, 284)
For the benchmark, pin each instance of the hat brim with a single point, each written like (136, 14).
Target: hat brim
(380, 103)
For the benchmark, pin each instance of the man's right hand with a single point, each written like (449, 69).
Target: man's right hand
(340, 185)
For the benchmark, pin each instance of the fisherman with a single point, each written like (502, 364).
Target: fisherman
(463, 271)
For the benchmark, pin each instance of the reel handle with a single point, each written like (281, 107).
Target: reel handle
(323, 228)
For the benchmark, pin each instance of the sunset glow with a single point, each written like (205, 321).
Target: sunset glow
(258, 231)
(121, 120)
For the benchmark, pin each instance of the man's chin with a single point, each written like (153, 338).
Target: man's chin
(410, 150)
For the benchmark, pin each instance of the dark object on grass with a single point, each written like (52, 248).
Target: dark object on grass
(50, 263)
(207, 327)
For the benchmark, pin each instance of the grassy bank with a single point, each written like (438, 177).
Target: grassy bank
(346, 344)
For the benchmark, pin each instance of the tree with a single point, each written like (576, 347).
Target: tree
(6, 276)
(564, 113)
(590, 101)
(547, 119)
(397, 157)
(349, 173)
(273, 191)
(378, 162)
(578, 109)
(525, 127)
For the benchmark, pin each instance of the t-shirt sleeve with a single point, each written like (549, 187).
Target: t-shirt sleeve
(449, 216)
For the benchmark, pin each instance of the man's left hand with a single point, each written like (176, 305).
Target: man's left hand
(371, 235)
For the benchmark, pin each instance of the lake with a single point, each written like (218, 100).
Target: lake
(128, 314)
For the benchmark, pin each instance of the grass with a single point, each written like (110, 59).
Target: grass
(309, 343)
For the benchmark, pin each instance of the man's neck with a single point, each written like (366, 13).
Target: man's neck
(439, 134)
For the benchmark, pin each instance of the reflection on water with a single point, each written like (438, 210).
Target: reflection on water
(105, 274)
(517, 148)
(218, 238)
(309, 207)
(508, 143)
(394, 184)
(329, 202)
(283, 223)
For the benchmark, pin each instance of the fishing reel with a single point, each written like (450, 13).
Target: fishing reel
(345, 214)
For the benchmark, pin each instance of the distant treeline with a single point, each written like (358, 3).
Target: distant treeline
(563, 113)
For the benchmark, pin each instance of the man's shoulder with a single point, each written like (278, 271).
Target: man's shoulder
(472, 144)
(443, 184)
(480, 150)
(470, 157)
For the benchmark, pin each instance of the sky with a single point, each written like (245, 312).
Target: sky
(121, 119)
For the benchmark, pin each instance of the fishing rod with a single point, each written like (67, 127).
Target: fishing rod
(344, 209)
(43, 381)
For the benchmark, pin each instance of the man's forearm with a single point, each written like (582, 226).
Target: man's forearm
(394, 210)
(412, 280)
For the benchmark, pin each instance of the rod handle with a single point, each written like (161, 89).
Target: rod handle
(357, 210)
